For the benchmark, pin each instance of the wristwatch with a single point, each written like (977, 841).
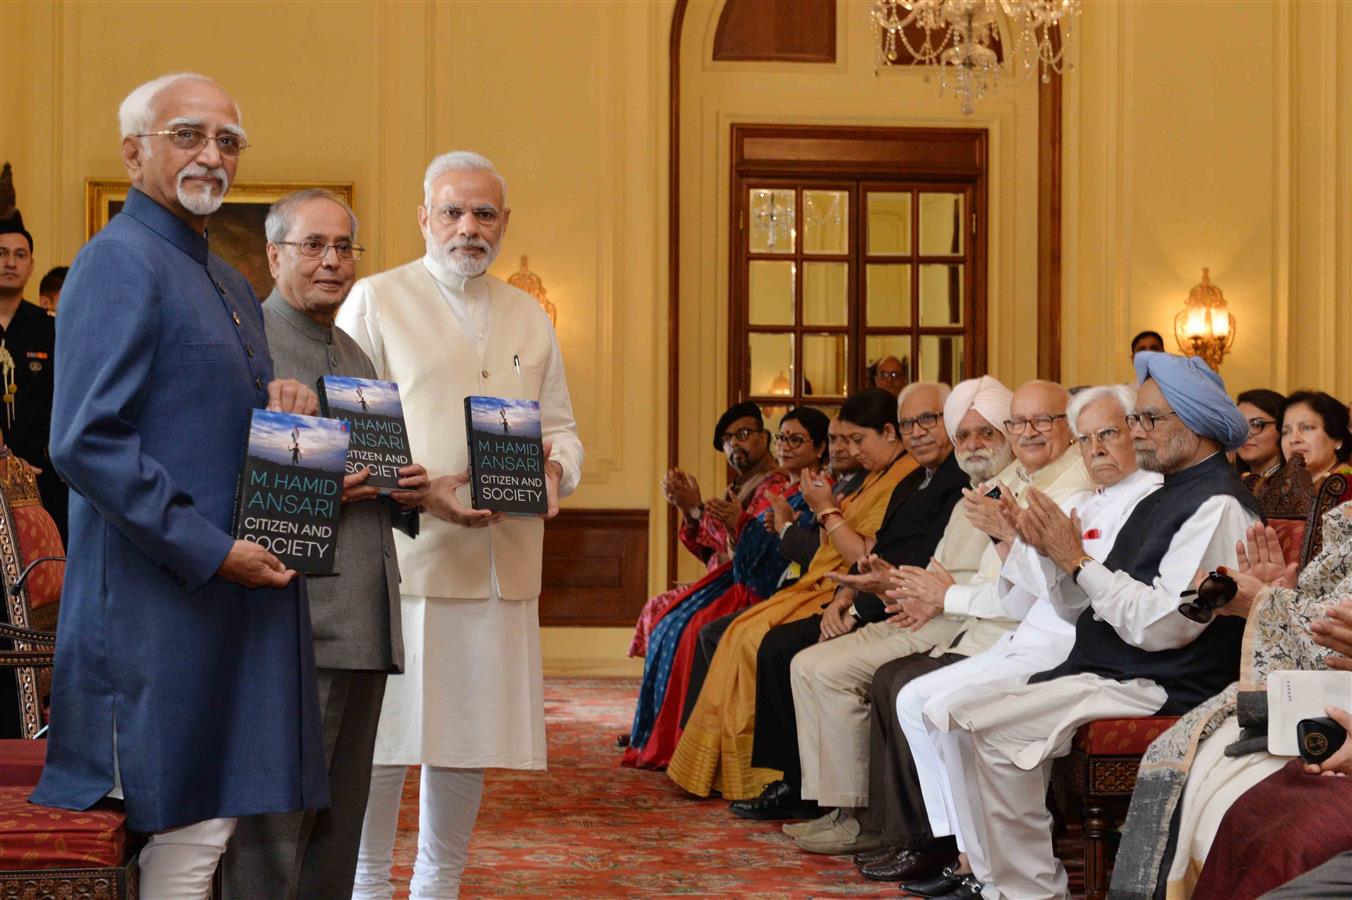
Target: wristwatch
(1079, 567)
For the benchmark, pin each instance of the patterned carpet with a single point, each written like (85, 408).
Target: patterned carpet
(588, 828)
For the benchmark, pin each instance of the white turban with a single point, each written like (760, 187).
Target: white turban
(986, 395)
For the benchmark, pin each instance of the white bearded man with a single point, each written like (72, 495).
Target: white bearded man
(1043, 639)
(471, 696)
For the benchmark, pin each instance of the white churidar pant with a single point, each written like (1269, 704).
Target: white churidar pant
(1041, 642)
(448, 804)
(178, 864)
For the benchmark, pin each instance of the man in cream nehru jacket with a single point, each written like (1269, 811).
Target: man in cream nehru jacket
(471, 696)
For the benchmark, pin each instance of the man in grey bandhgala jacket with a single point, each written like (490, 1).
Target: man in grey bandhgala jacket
(355, 611)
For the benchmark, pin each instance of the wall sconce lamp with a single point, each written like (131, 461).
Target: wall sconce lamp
(528, 281)
(1205, 327)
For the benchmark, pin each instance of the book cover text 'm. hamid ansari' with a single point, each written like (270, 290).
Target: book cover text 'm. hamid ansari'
(291, 488)
(378, 436)
(506, 455)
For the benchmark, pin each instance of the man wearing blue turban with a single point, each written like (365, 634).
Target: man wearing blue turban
(1135, 655)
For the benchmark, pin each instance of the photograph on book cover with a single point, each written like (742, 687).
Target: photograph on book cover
(235, 230)
(361, 395)
(495, 415)
(300, 441)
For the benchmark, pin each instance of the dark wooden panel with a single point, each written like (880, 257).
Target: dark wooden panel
(595, 567)
(807, 148)
(777, 30)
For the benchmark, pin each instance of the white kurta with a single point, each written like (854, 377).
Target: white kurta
(1042, 641)
(471, 695)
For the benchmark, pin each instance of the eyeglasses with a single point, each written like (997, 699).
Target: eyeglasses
(792, 441)
(984, 432)
(1256, 426)
(1103, 436)
(924, 420)
(889, 376)
(192, 139)
(741, 434)
(1147, 420)
(316, 249)
(484, 215)
(1041, 424)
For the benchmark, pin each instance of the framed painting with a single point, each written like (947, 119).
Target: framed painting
(236, 229)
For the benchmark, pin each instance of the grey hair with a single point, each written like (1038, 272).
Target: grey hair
(943, 389)
(278, 223)
(459, 161)
(134, 116)
(1123, 394)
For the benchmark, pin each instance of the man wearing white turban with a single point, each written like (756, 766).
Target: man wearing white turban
(1134, 654)
(940, 620)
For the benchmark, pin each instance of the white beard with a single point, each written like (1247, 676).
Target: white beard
(464, 266)
(980, 470)
(201, 202)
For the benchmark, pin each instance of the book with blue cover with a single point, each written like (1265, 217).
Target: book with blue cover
(375, 416)
(291, 488)
(506, 455)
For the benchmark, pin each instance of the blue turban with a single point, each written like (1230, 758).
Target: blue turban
(1197, 394)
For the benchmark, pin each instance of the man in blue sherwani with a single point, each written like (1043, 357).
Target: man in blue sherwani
(184, 679)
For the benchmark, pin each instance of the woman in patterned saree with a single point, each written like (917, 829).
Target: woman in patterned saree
(1194, 773)
(750, 576)
(714, 752)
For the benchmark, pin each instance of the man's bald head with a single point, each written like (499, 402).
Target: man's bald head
(1037, 425)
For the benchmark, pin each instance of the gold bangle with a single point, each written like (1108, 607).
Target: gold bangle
(836, 527)
(830, 510)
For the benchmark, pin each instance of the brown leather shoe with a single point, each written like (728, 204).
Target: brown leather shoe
(908, 865)
(871, 857)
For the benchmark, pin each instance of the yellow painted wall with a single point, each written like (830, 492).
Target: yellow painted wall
(1212, 134)
(1218, 134)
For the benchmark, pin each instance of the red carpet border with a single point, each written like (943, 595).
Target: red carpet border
(588, 828)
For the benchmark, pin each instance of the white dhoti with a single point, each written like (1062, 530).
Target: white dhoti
(472, 694)
(1015, 731)
(1040, 643)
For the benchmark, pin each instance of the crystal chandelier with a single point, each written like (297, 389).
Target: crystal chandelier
(957, 36)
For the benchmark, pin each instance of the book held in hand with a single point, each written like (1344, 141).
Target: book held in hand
(379, 437)
(291, 488)
(506, 455)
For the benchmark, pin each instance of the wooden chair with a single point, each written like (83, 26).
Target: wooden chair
(32, 570)
(1100, 773)
(44, 852)
(1334, 490)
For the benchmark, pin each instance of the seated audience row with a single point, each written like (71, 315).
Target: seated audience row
(1010, 568)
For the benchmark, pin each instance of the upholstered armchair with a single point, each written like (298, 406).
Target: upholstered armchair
(44, 852)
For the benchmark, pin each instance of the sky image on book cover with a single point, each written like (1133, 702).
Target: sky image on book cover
(506, 455)
(379, 436)
(291, 488)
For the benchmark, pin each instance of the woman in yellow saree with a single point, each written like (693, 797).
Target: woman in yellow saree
(714, 753)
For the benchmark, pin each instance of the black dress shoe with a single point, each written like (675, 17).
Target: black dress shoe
(777, 801)
(908, 865)
(870, 857)
(968, 889)
(940, 884)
